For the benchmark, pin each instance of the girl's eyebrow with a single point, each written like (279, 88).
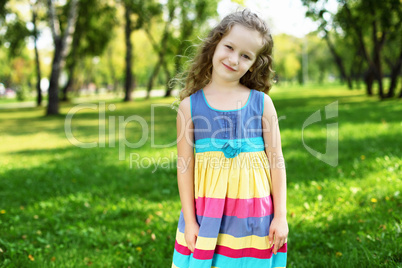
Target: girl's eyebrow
(246, 51)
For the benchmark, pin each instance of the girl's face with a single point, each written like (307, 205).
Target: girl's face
(236, 53)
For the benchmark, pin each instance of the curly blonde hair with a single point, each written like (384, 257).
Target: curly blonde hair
(200, 72)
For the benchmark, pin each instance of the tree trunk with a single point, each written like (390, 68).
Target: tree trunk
(160, 49)
(53, 93)
(70, 81)
(377, 55)
(153, 76)
(71, 69)
(321, 77)
(62, 43)
(129, 50)
(395, 71)
(369, 79)
(372, 72)
(37, 60)
(355, 69)
(338, 61)
(112, 70)
(177, 69)
(169, 84)
(358, 72)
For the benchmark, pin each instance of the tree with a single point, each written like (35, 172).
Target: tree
(286, 57)
(35, 34)
(136, 14)
(14, 38)
(191, 21)
(62, 41)
(371, 25)
(90, 37)
(128, 85)
(160, 46)
(321, 63)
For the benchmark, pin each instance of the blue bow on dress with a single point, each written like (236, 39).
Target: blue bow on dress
(231, 148)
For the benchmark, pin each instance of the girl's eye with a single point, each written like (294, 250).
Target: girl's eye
(229, 47)
(246, 56)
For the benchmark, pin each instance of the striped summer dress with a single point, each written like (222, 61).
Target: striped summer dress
(232, 190)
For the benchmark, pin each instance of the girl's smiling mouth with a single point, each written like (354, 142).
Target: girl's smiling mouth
(228, 67)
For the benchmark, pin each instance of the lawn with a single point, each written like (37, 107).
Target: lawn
(115, 203)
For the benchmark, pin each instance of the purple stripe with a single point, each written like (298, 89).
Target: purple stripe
(231, 225)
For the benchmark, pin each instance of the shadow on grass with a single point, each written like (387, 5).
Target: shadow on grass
(83, 199)
(89, 200)
(85, 170)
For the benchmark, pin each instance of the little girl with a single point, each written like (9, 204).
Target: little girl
(233, 188)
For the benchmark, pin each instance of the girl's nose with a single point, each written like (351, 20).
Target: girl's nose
(234, 60)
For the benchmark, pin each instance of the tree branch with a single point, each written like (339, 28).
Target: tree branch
(71, 21)
(54, 23)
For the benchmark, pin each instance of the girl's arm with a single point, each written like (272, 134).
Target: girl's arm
(185, 171)
(272, 139)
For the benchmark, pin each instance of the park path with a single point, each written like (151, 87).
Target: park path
(136, 94)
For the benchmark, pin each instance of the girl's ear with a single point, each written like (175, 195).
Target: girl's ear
(251, 69)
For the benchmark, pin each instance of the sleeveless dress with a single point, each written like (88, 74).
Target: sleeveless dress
(232, 190)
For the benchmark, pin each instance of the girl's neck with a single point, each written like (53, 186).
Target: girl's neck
(224, 86)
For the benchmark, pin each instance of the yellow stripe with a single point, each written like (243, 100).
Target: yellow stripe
(244, 176)
(180, 238)
(230, 241)
(251, 241)
(174, 266)
(204, 243)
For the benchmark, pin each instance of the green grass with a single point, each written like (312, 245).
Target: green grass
(65, 206)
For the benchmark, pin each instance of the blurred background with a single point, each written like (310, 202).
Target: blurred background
(129, 48)
(112, 205)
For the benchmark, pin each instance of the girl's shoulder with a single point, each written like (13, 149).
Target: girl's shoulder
(185, 103)
(185, 106)
(268, 105)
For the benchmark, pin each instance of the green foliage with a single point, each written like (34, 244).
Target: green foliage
(22, 93)
(286, 56)
(144, 11)
(64, 206)
(320, 61)
(15, 36)
(96, 20)
(288, 53)
(16, 72)
(367, 36)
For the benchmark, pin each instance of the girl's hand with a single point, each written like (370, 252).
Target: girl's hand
(279, 230)
(190, 234)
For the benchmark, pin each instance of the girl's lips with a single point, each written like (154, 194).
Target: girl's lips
(230, 68)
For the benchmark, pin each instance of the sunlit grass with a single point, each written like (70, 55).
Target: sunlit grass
(66, 206)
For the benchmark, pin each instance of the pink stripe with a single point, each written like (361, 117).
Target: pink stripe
(284, 248)
(248, 252)
(216, 207)
(244, 252)
(210, 207)
(182, 249)
(203, 254)
(229, 252)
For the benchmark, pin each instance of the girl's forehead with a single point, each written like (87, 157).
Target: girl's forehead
(244, 38)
